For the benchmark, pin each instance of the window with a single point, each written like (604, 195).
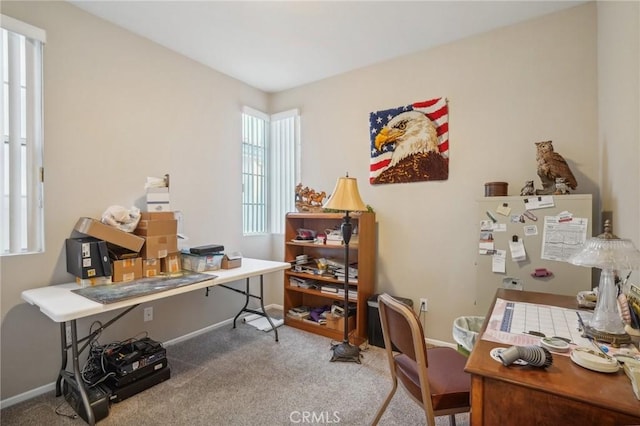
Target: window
(21, 128)
(270, 158)
(254, 171)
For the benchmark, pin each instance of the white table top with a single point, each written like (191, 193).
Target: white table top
(60, 304)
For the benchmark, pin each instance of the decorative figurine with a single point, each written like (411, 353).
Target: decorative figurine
(552, 165)
(308, 200)
(528, 189)
(561, 186)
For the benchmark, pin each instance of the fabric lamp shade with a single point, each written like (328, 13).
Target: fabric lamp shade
(345, 196)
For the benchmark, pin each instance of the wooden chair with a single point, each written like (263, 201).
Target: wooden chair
(433, 377)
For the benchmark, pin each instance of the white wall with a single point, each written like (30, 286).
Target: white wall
(506, 89)
(119, 108)
(619, 115)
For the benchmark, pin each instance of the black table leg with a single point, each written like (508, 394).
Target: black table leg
(246, 302)
(78, 375)
(247, 295)
(273, 327)
(63, 347)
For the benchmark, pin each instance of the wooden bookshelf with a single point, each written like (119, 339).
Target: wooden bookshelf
(362, 249)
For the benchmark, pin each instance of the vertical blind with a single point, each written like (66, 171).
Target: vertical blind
(284, 171)
(21, 128)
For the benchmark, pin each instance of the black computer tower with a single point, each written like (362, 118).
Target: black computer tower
(374, 326)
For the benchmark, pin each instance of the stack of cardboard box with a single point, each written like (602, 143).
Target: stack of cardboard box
(160, 251)
(158, 194)
(110, 256)
(115, 256)
(158, 200)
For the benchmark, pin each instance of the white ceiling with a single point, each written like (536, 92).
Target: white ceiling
(277, 45)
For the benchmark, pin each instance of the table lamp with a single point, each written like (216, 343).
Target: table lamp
(610, 254)
(345, 197)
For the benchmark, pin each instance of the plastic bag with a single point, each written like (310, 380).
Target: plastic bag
(465, 331)
(156, 182)
(122, 218)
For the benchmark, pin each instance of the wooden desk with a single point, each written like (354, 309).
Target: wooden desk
(563, 394)
(62, 305)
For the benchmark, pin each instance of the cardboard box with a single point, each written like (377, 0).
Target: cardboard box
(156, 227)
(337, 323)
(157, 216)
(97, 229)
(159, 246)
(90, 282)
(171, 264)
(126, 270)
(87, 257)
(158, 200)
(196, 263)
(230, 261)
(118, 253)
(151, 267)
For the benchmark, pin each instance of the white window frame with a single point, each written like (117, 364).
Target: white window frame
(270, 169)
(21, 134)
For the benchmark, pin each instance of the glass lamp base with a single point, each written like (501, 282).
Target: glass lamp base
(602, 336)
(606, 316)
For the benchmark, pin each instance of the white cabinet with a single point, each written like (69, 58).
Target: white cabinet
(567, 279)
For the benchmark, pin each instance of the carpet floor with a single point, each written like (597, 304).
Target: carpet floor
(243, 377)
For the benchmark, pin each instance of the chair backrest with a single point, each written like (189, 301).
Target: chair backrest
(403, 332)
(401, 326)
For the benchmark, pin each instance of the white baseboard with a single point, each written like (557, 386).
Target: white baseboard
(441, 343)
(213, 327)
(27, 395)
(52, 386)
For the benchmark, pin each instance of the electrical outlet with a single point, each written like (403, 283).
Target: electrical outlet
(148, 313)
(423, 304)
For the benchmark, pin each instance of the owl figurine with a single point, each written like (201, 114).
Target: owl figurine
(551, 166)
(528, 189)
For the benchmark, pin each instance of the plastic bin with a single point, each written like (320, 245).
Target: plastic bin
(374, 326)
(465, 332)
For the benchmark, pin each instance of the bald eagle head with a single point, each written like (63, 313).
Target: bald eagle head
(412, 132)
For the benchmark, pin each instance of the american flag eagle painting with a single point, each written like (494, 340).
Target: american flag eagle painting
(410, 143)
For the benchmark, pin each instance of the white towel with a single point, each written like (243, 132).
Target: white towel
(262, 323)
